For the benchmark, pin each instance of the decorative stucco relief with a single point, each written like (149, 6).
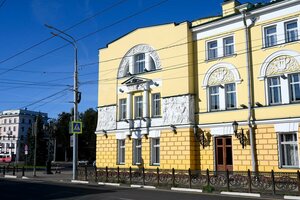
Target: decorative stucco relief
(106, 118)
(281, 65)
(142, 48)
(178, 110)
(220, 76)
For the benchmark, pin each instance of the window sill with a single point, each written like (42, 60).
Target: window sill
(220, 58)
(120, 163)
(156, 117)
(280, 44)
(142, 73)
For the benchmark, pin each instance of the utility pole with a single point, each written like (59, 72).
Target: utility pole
(72, 41)
(35, 131)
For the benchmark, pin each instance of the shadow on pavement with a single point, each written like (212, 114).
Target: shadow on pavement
(24, 190)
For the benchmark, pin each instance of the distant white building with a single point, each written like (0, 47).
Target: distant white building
(14, 125)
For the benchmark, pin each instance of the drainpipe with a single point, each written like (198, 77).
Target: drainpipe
(250, 92)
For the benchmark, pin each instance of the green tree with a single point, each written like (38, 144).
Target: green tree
(41, 145)
(87, 140)
(62, 137)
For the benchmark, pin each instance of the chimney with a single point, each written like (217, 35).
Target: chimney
(229, 7)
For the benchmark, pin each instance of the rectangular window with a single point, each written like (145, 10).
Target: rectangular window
(294, 87)
(230, 96)
(121, 152)
(139, 63)
(214, 98)
(288, 147)
(228, 46)
(270, 36)
(155, 151)
(274, 90)
(291, 31)
(156, 105)
(138, 107)
(137, 151)
(123, 108)
(212, 49)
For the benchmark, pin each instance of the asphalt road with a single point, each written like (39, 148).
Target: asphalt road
(41, 190)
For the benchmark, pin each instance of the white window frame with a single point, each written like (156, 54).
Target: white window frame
(285, 89)
(123, 109)
(271, 90)
(139, 64)
(287, 39)
(222, 97)
(214, 94)
(155, 151)
(220, 49)
(282, 164)
(230, 45)
(266, 36)
(215, 49)
(292, 87)
(138, 106)
(229, 93)
(121, 152)
(281, 28)
(137, 151)
(156, 105)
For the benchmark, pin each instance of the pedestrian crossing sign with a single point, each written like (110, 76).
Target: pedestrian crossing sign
(76, 127)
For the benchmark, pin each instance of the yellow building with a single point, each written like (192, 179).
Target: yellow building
(170, 94)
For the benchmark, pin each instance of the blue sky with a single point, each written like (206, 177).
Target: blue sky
(40, 80)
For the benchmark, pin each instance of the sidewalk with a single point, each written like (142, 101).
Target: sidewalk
(64, 176)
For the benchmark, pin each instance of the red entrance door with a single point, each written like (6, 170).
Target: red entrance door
(224, 153)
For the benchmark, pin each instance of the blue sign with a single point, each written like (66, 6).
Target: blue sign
(76, 127)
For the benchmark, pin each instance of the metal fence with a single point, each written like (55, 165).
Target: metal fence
(236, 181)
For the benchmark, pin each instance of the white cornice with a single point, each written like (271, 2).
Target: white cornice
(249, 15)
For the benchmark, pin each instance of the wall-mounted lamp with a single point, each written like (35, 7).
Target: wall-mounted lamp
(156, 84)
(258, 104)
(239, 135)
(173, 128)
(200, 136)
(120, 90)
(243, 106)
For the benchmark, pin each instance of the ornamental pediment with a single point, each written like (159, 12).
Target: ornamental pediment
(281, 65)
(220, 76)
(135, 81)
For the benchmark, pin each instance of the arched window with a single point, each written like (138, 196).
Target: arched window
(139, 59)
(281, 73)
(220, 83)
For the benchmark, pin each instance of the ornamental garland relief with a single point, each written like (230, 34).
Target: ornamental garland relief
(178, 110)
(106, 118)
(221, 75)
(281, 65)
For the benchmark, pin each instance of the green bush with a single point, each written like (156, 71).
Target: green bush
(208, 188)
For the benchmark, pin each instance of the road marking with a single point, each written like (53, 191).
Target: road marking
(291, 197)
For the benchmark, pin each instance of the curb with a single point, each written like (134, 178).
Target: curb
(241, 194)
(9, 176)
(77, 181)
(109, 184)
(186, 189)
(24, 177)
(291, 197)
(143, 186)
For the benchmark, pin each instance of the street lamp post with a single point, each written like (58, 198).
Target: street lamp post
(75, 136)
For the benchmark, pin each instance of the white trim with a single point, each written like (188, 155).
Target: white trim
(231, 67)
(9, 176)
(154, 134)
(270, 58)
(286, 127)
(223, 130)
(109, 184)
(121, 135)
